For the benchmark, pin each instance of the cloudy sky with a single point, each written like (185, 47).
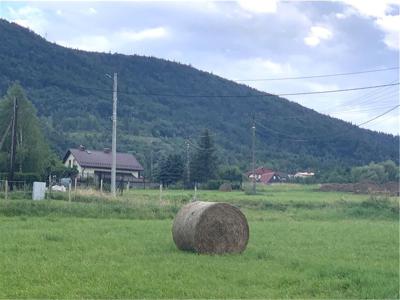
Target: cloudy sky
(247, 40)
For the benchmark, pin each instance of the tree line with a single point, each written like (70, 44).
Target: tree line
(200, 166)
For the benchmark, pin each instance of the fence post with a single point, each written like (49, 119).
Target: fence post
(101, 186)
(25, 189)
(50, 186)
(69, 192)
(160, 192)
(75, 183)
(6, 189)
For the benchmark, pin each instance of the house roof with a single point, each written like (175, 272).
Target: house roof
(102, 159)
(266, 177)
(259, 171)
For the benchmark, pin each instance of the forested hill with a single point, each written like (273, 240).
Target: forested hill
(73, 99)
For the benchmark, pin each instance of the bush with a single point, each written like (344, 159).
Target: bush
(213, 184)
(225, 187)
(373, 172)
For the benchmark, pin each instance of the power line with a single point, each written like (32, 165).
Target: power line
(312, 138)
(381, 101)
(245, 96)
(319, 76)
(363, 110)
(339, 90)
(365, 97)
(386, 112)
(354, 110)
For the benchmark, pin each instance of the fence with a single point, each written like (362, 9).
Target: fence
(75, 188)
(14, 189)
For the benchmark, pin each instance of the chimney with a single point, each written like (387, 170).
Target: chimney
(107, 150)
(81, 147)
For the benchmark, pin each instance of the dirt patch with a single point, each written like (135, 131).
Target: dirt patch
(389, 188)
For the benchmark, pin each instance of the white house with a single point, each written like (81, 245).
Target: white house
(97, 165)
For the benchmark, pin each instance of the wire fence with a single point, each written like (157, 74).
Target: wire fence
(15, 189)
(72, 187)
(90, 201)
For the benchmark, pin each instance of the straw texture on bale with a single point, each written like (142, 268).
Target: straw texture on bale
(211, 228)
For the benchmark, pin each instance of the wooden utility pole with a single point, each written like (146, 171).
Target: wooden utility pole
(20, 147)
(151, 163)
(6, 189)
(114, 139)
(253, 154)
(188, 162)
(13, 144)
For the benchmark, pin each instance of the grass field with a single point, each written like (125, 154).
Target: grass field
(303, 244)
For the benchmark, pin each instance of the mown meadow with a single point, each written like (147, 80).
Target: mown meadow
(304, 243)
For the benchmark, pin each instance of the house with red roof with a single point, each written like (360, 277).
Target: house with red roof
(266, 176)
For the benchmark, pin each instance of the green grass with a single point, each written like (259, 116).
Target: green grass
(303, 244)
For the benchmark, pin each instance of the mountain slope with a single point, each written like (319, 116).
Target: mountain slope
(73, 98)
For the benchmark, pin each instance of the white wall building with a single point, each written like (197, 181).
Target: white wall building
(97, 165)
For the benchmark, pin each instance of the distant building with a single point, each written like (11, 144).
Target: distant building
(266, 176)
(97, 165)
(303, 174)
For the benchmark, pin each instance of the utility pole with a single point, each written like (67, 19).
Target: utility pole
(13, 144)
(20, 147)
(253, 155)
(151, 163)
(114, 138)
(188, 162)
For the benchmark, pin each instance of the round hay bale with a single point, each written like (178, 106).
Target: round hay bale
(225, 187)
(210, 227)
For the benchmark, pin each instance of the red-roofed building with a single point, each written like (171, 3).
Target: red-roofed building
(266, 176)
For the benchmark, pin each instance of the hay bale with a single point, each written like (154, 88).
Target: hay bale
(225, 187)
(210, 227)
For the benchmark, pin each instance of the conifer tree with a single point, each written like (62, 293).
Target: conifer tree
(204, 163)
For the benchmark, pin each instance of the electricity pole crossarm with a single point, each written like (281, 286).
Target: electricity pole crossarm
(114, 138)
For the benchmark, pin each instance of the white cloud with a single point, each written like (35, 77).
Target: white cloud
(259, 6)
(29, 17)
(89, 11)
(114, 42)
(92, 11)
(385, 14)
(370, 8)
(88, 43)
(151, 33)
(391, 25)
(256, 68)
(340, 16)
(316, 34)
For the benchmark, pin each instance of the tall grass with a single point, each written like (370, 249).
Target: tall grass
(147, 205)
